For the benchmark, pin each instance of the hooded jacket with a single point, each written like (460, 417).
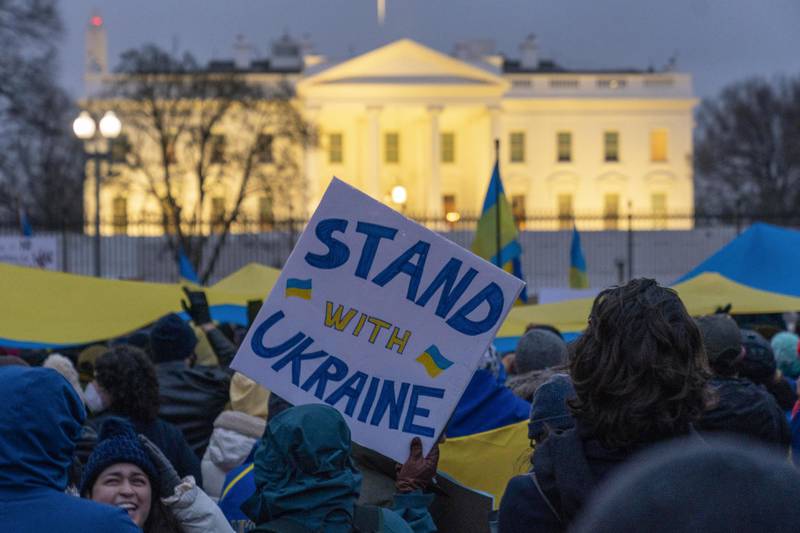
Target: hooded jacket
(39, 424)
(745, 408)
(306, 480)
(233, 438)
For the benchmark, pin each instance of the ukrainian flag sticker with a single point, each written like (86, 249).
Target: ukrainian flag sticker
(298, 288)
(433, 361)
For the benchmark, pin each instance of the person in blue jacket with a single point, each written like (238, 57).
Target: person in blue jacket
(40, 422)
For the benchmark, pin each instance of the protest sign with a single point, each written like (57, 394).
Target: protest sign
(38, 251)
(379, 317)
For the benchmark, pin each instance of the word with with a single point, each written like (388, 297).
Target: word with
(381, 398)
(411, 263)
(334, 319)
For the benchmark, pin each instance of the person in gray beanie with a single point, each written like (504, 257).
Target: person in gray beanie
(539, 355)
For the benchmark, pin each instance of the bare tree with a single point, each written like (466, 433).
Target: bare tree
(747, 149)
(192, 131)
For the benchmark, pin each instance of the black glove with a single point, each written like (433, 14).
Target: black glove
(167, 476)
(197, 307)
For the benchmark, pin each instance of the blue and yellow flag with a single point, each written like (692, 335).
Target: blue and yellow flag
(298, 288)
(433, 361)
(577, 264)
(497, 226)
(186, 272)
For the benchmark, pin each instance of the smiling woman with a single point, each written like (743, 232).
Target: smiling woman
(125, 485)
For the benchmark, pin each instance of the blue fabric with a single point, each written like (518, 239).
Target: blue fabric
(486, 405)
(576, 259)
(40, 422)
(235, 494)
(187, 271)
(763, 257)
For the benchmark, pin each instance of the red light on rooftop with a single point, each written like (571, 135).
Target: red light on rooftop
(96, 20)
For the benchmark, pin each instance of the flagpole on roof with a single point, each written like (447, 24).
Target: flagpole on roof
(497, 200)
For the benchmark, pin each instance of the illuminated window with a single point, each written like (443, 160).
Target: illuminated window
(217, 214)
(119, 208)
(335, 148)
(518, 209)
(564, 146)
(658, 145)
(448, 147)
(517, 146)
(449, 209)
(120, 148)
(217, 143)
(391, 147)
(266, 218)
(611, 146)
(610, 211)
(565, 213)
(264, 148)
(658, 205)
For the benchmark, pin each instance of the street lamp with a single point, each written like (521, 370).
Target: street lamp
(85, 129)
(399, 196)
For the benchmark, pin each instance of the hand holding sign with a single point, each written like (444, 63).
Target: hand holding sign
(378, 317)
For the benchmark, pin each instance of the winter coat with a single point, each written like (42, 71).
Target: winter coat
(305, 479)
(525, 385)
(192, 398)
(194, 510)
(233, 438)
(567, 467)
(167, 437)
(40, 422)
(742, 407)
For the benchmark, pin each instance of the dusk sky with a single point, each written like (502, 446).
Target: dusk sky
(717, 41)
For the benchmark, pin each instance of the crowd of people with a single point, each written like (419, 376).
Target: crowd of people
(650, 419)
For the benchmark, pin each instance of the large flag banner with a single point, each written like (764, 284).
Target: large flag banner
(577, 264)
(380, 318)
(496, 237)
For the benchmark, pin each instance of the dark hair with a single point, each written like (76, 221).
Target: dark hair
(126, 373)
(160, 519)
(639, 369)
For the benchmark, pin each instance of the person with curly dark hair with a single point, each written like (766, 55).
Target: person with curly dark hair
(640, 374)
(126, 385)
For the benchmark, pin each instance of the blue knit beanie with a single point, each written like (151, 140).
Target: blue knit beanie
(117, 443)
(171, 339)
(549, 406)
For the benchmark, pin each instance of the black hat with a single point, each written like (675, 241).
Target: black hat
(722, 340)
(758, 364)
(172, 339)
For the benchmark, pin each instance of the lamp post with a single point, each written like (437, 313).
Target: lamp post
(85, 129)
(399, 196)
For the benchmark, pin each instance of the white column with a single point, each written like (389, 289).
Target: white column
(373, 181)
(433, 207)
(312, 193)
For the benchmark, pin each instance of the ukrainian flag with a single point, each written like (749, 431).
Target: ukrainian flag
(433, 361)
(490, 233)
(577, 264)
(298, 288)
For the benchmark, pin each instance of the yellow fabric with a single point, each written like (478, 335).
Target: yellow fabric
(487, 461)
(204, 352)
(56, 308)
(248, 396)
(700, 295)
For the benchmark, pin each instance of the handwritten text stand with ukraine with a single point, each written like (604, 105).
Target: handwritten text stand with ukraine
(380, 318)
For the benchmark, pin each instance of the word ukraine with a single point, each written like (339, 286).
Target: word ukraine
(367, 399)
(411, 263)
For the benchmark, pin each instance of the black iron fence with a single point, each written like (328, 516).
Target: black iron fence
(615, 247)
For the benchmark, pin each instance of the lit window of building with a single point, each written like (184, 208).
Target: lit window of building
(518, 210)
(611, 146)
(335, 148)
(119, 208)
(658, 145)
(564, 146)
(217, 149)
(565, 212)
(611, 211)
(264, 148)
(448, 147)
(658, 206)
(392, 148)
(517, 146)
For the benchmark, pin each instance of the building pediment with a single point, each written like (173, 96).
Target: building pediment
(402, 66)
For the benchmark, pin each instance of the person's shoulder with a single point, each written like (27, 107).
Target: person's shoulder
(521, 487)
(100, 518)
(523, 505)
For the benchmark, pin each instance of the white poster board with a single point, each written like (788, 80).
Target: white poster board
(37, 252)
(379, 317)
